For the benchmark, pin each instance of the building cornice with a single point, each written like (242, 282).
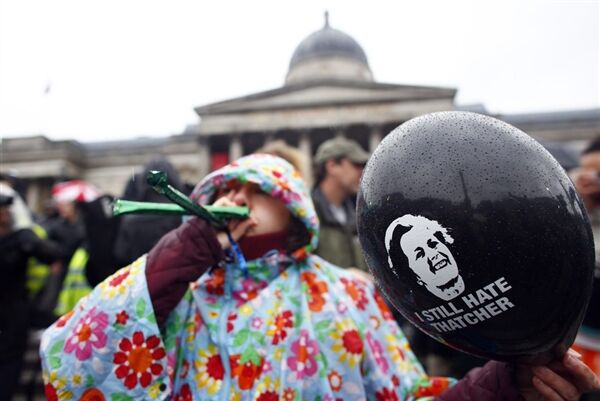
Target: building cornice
(371, 92)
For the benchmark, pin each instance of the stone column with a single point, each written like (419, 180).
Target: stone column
(340, 132)
(269, 137)
(375, 136)
(235, 148)
(203, 157)
(305, 146)
(33, 195)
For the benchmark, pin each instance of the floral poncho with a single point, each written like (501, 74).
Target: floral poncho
(286, 327)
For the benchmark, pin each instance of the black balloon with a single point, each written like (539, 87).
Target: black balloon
(477, 236)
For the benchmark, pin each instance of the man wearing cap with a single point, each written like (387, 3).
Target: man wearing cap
(339, 163)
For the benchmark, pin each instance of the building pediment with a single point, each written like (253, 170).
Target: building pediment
(325, 94)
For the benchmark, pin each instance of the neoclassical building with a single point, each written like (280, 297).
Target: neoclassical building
(329, 91)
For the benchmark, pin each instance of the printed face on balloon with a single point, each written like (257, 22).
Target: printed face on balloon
(422, 245)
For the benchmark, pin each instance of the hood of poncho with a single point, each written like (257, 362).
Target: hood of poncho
(275, 177)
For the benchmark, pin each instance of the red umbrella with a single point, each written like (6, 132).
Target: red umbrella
(74, 191)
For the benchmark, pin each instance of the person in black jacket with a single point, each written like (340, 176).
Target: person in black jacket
(68, 230)
(16, 247)
(137, 234)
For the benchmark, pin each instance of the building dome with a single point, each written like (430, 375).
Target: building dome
(328, 54)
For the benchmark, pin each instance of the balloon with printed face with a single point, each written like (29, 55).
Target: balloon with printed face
(477, 236)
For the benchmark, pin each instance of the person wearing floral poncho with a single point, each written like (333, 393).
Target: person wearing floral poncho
(203, 318)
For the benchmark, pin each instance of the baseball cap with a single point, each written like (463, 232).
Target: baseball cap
(340, 148)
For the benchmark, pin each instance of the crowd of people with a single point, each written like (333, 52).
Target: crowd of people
(278, 306)
(53, 259)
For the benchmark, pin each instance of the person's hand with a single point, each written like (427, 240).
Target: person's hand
(564, 379)
(237, 228)
(181, 256)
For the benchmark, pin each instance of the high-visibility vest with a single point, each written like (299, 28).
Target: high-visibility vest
(75, 285)
(37, 272)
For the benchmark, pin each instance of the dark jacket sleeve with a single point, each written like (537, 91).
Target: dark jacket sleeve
(45, 251)
(180, 257)
(492, 382)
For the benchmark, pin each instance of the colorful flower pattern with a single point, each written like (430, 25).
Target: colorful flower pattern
(386, 394)
(138, 359)
(348, 342)
(335, 380)
(245, 371)
(184, 394)
(303, 360)
(316, 289)
(92, 394)
(119, 282)
(121, 317)
(88, 333)
(64, 319)
(355, 288)
(50, 392)
(282, 322)
(383, 308)
(378, 352)
(209, 368)
(293, 327)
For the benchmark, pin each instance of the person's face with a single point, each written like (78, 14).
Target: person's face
(347, 174)
(270, 214)
(587, 180)
(429, 258)
(67, 210)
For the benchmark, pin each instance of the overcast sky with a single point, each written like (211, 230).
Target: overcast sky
(98, 70)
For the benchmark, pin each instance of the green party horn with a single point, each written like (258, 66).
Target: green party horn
(122, 207)
(158, 181)
(216, 215)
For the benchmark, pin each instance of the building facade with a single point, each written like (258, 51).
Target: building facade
(329, 91)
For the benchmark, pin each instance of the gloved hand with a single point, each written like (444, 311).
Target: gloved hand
(181, 256)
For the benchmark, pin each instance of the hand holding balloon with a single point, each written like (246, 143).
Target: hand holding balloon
(565, 379)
